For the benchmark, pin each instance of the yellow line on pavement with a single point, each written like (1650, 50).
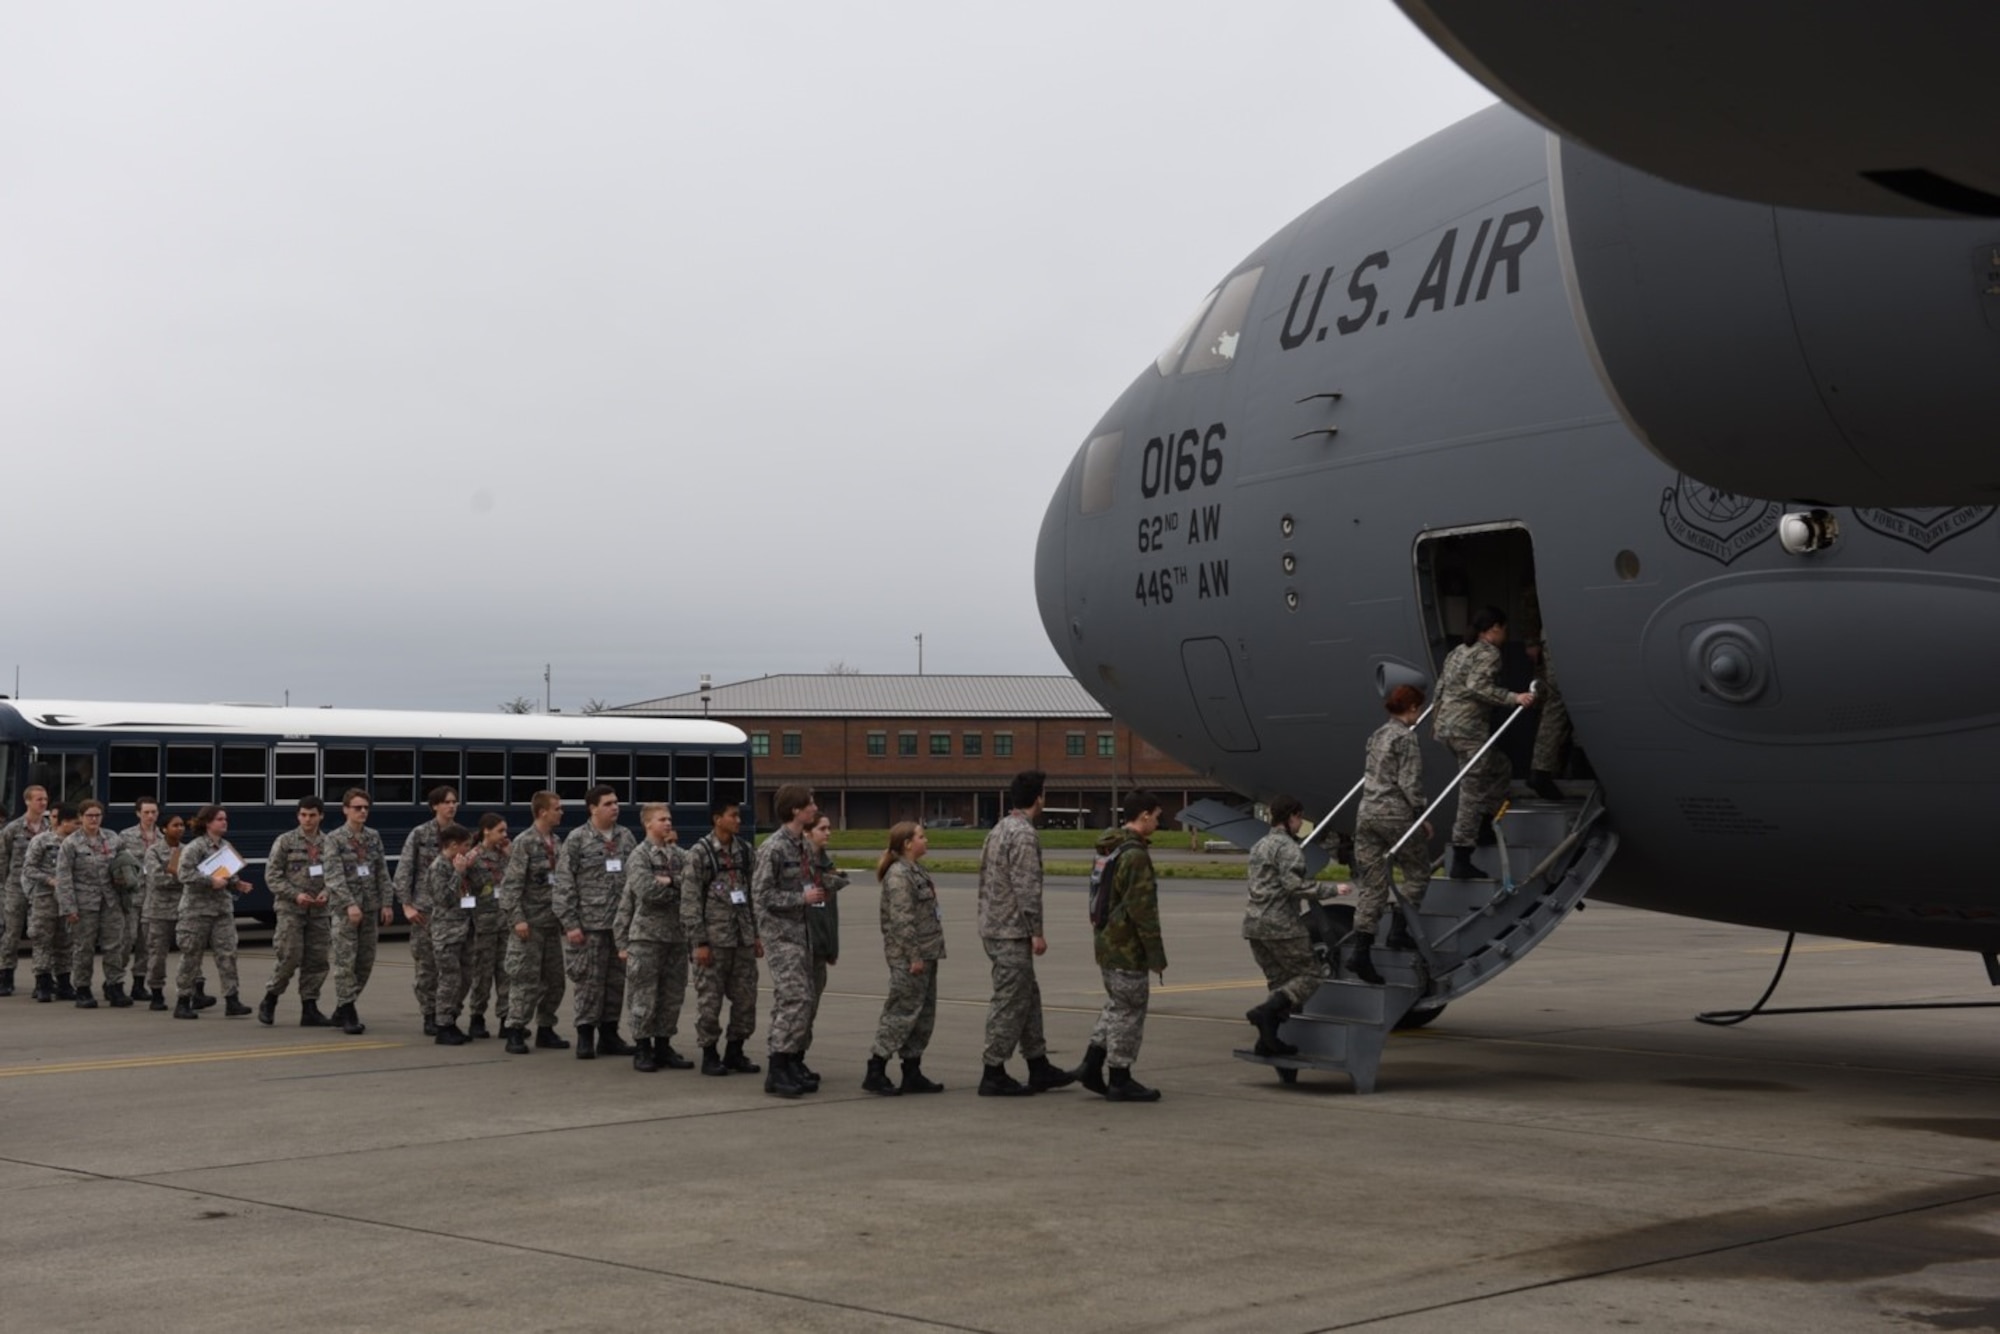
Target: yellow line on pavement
(1177, 988)
(1829, 947)
(189, 1058)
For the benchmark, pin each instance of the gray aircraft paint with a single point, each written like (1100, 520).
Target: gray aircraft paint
(1833, 799)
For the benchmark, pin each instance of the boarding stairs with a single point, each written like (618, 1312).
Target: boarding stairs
(1463, 933)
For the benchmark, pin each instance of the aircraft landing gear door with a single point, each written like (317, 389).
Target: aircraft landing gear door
(1211, 678)
(572, 775)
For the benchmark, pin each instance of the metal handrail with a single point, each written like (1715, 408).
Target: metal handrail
(1324, 824)
(1477, 755)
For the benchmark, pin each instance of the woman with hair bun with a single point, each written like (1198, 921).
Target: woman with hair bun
(1392, 796)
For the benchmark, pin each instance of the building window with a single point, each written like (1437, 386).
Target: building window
(794, 742)
(878, 743)
(1073, 744)
(1003, 745)
(940, 743)
(760, 744)
(1107, 745)
(971, 744)
(906, 743)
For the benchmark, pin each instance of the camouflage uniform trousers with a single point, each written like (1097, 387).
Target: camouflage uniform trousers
(118, 960)
(451, 957)
(732, 976)
(197, 935)
(1480, 792)
(1552, 730)
(50, 932)
(424, 956)
(535, 978)
(792, 1004)
(597, 979)
(15, 929)
(94, 927)
(909, 1013)
(1014, 1019)
(820, 965)
(487, 979)
(1372, 866)
(656, 981)
(1289, 966)
(1122, 1022)
(303, 944)
(159, 943)
(354, 954)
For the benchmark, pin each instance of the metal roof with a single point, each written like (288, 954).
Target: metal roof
(802, 695)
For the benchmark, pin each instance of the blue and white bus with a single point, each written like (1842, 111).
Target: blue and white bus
(257, 761)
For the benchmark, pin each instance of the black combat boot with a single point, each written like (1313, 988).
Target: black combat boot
(1124, 1088)
(664, 1052)
(267, 1009)
(64, 991)
(139, 991)
(159, 1001)
(84, 1000)
(914, 1080)
(738, 1063)
(478, 1028)
(449, 1035)
(233, 1006)
(549, 1040)
(184, 1008)
(45, 987)
(310, 1017)
(995, 1082)
(781, 1082)
(1091, 1073)
(586, 1042)
(115, 997)
(348, 1021)
(1360, 946)
(1399, 937)
(877, 1079)
(644, 1060)
(517, 1041)
(1463, 867)
(1267, 1017)
(202, 1000)
(6, 981)
(430, 1026)
(711, 1064)
(1044, 1075)
(610, 1043)
(1544, 784)
(807, 1077)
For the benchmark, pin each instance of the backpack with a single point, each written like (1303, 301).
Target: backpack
(127, 876)
(1101, 876)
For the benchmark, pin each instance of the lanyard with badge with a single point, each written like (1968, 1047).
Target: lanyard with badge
(612, 865)
(735, 878)
(315, 866)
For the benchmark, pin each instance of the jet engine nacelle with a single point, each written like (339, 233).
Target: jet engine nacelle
(1747, 346)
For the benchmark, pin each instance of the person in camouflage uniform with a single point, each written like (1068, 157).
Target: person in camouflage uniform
(781, 891)
(1392, 797)
(590, 877)
(302, 939)
(14, 840)
(208, 914)
(483, 874)
(1552, 729)
(913, 945)
(46, 925)
(418, 851)
(722, 926)
(535, 976)
(141, 840)
(823, 922)
(357, 889)
(652, 942)
(1128, 947)
(441, 898)
(1468, 689)
(89, 904)
(1010, 929)
(1279, 941)
(161, 912)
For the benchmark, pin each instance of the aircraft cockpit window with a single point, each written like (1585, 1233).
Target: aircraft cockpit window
(1214, 345)
(1100, 469)
(1168, 358)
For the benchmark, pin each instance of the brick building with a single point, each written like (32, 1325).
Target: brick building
(878, 749)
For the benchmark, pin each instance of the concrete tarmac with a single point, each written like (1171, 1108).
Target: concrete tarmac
(1563, 1150)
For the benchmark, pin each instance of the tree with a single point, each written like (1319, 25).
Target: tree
(839, 667)
(518, 704)
(594, 705)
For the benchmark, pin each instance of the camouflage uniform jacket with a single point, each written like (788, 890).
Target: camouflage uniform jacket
(912, 922)
(715, 871)
(1010, 881)
(778, 888)
(649, 909)
(1392, 784)
(150, 852)
(586, 888)
(83, 872)
(482, 879)
(1278, 880)
(823, 922)
(1467, 691)
(1129, 940)
(528, 888)
(438, 892)
(163, 884)
(288, 872)
(420, 849)
(14, 841)
(38, 867)
(199, 896)
(348, 853)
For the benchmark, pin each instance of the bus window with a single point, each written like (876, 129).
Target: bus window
(294, 774)
(572, 774)
(528, 773)
(245, 776)
(133, 772)
(690, 780)
(395, 776)
(440, 770)
(69, 776)
(729, 784)
(345, 766)
(486, 778)
(655, 778)
(614, 770)
(190, 776)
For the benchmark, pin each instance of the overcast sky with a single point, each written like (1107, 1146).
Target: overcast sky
(382, 352)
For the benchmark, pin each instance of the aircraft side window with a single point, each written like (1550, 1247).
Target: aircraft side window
(1166, 360)
(1214, 345)
(1100, 470)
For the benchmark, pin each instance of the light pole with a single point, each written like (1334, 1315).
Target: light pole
(705, 688)
(920, 655)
